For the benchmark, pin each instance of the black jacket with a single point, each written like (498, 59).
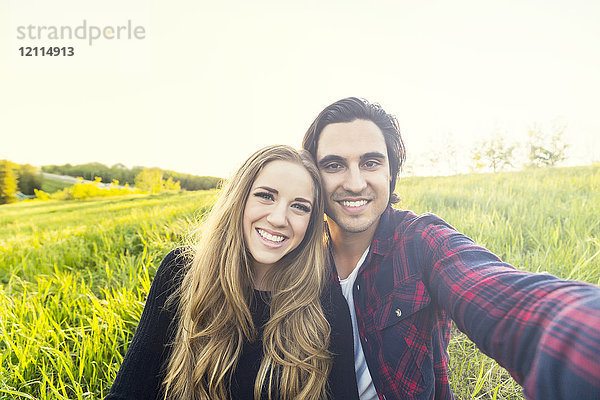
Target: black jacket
(142, 370)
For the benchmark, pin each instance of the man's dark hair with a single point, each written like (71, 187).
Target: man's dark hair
(350, 109)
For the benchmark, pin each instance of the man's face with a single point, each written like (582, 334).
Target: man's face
(352, 159)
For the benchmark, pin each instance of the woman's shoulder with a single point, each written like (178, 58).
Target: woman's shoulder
(171, 271)
(175, 262)
(332, 300)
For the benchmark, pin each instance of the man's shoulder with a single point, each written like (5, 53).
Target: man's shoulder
(397, 222)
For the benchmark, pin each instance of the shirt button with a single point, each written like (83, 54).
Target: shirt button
(398, 312)
(357, 286)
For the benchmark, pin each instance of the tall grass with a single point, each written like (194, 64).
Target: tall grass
(74, 275)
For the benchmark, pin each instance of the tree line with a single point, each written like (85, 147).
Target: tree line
(124, 175)
(540, 150)
(493, 154)
(27, 180)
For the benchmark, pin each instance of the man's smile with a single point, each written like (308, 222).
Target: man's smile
(356, 203)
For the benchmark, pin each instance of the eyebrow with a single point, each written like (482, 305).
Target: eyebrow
(303, 200)
(329, 158)
(267, 188)
(275, 191)
(373, 154)
(332, 157)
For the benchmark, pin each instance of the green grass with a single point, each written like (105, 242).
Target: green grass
(74, 275)
(73, 279)
(52, 186)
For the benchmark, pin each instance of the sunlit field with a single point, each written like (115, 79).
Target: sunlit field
(74, 275)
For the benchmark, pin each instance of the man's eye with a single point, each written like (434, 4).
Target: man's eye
(333, 166)
(371, 164)
(301, 207)
(264, 195)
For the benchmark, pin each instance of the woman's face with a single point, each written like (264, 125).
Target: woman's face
(277, 211)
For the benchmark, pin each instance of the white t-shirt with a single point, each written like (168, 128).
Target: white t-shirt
(366, 389)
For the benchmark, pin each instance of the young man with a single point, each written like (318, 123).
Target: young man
(405, 277)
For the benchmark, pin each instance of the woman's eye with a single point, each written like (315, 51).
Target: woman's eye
(264, 195)
(301, 207)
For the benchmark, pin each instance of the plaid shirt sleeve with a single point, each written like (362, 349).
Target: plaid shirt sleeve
(543, 330)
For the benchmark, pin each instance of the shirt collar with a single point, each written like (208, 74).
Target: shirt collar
(382, 240)
(384, 234)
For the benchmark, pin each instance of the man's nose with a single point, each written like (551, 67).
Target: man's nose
(355, 181)
(278, 215)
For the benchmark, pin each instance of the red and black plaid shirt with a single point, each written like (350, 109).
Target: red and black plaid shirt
(421, 273)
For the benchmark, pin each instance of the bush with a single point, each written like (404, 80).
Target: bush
(41, 195)
(151, 179)
(81, 191)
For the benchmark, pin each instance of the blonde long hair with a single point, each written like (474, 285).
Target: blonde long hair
(213, 314)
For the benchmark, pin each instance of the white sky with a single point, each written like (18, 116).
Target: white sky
(214, 81)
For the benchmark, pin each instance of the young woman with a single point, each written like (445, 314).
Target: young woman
(248, 313)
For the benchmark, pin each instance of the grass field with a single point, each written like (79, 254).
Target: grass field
(52, 185)
(74, 275)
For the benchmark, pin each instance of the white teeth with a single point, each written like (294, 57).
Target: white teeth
(268, 236)
(354, 203)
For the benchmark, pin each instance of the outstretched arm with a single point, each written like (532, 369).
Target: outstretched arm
(543, 330)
